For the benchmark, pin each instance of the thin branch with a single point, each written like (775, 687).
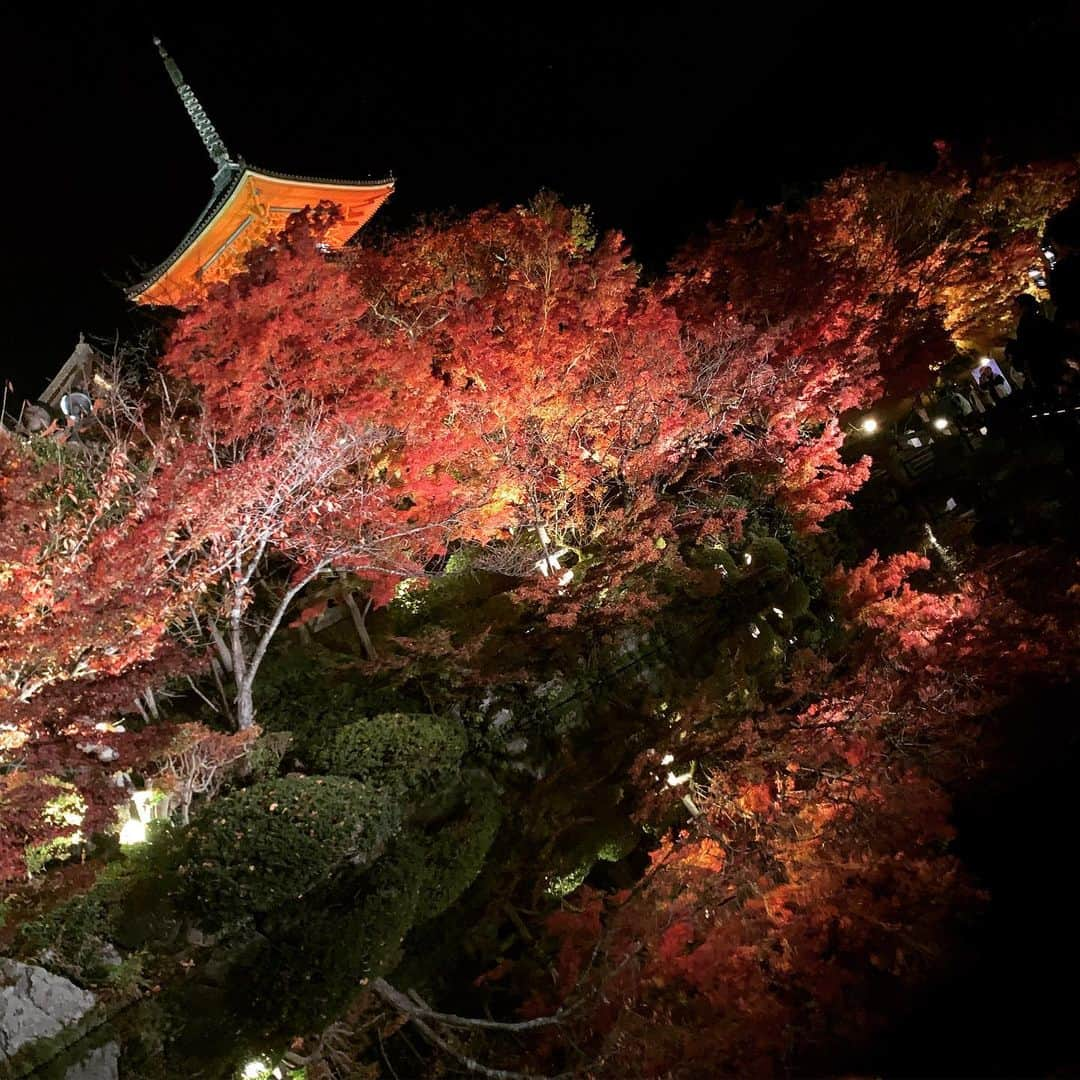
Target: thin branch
(191, 683)
(471, 1064)
(411, 1008)
(275, 621)
(359, 622)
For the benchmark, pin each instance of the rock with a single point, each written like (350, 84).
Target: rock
(501, 719)
(110, 956)
(36, 1004)
(35, 418)
(100, 1064)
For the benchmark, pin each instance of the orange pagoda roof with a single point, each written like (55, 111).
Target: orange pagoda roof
(248, 206)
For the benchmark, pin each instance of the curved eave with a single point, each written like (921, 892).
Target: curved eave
(293, 191)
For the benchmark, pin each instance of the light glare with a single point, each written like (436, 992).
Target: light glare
(133, 832)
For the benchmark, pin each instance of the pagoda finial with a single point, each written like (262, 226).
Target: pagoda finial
(213, 142)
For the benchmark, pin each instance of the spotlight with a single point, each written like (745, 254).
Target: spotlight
(133, 832)
(941, 423)
(985, 361)
(869, 425)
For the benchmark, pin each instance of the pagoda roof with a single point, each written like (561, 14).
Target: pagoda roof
(247, 208)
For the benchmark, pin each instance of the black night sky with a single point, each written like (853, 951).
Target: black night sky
(661, 121)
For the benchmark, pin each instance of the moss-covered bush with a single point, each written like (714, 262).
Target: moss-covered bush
(249, 852)
(608, 839)
(404, 753)
(711, 557)
(303, 693)
(795, 599)
(766, 552)
(264, 759)
(76, 932)
(450, 855)
(317, 950)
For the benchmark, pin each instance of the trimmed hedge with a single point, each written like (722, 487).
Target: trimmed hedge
(405, 753)
(766, 551)
(250, 852)
(319, 949)
(450, 857)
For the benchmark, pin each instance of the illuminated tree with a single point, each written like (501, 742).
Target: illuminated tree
(813, 888)
(199, 760)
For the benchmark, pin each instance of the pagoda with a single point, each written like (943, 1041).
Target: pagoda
(248, 206)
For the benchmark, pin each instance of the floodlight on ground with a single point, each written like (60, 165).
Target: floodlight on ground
(985, 361)
(133, 832)
(940, 423)
(869, 425)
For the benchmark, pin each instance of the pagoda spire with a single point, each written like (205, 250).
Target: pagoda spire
(215, 145)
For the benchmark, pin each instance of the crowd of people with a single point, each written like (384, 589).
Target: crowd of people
(1038, 374)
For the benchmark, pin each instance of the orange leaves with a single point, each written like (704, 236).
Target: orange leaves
(576, 931)
(875, 579)
(310, 612)
(674, 941)
(706, 854)
(757, 798)
(499, 971)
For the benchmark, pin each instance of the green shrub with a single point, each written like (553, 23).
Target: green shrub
(318, 949)
(766, 552)
(708, 557)
(404, 753)
(264, 760)
(304, 692)
(75, 932)
(249, 852)
(795, 599)
(128, 977)
(127, 893)
(608, 839)
(450, 855)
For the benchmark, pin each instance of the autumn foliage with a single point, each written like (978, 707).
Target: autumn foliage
(513, 387)
(815, 890)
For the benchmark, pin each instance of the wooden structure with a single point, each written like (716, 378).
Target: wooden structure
(249, 205)
(76, 376)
